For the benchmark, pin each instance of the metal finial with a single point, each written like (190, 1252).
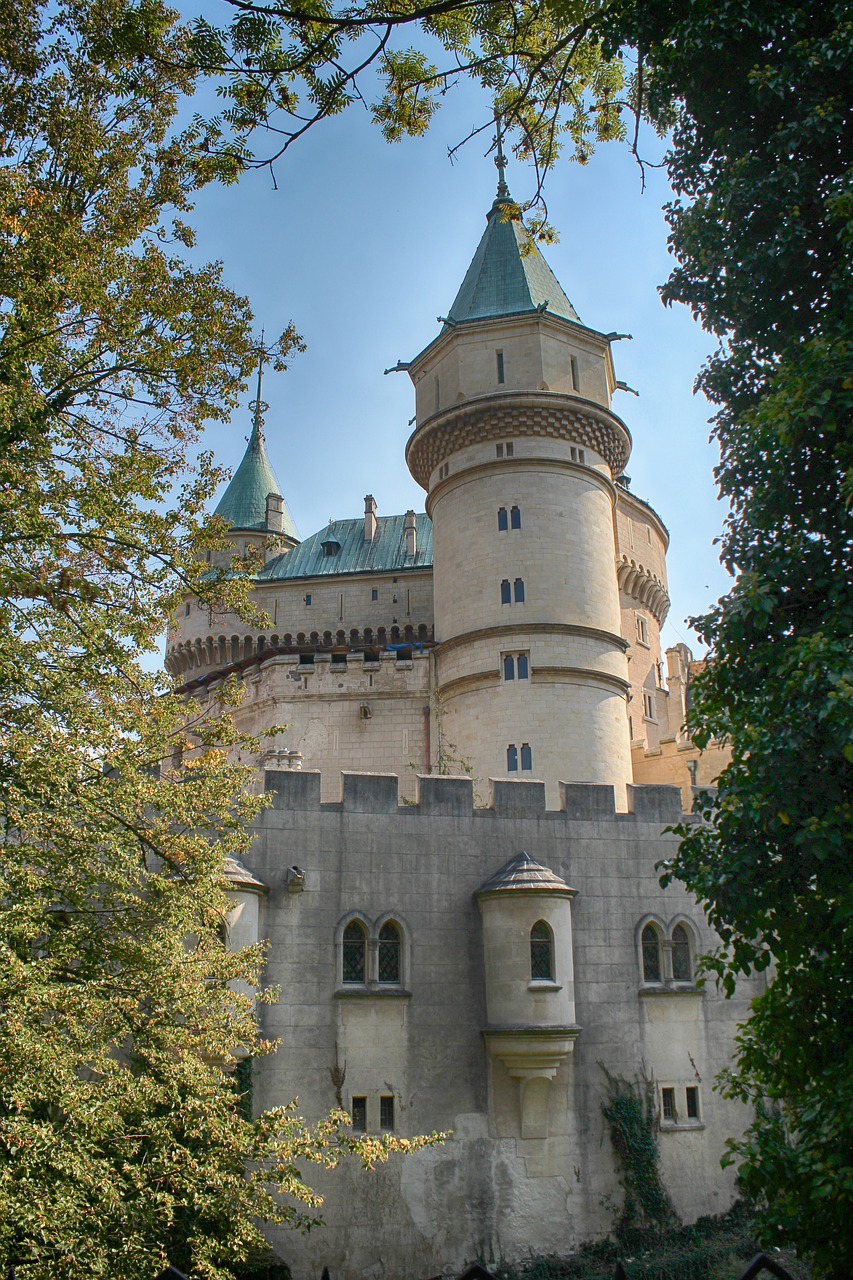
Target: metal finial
(259, 406)
(500, 161)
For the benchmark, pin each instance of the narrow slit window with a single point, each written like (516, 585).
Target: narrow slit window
(681, 967)
(541, 953)
(500, 363)
(506, 597)
(512, 758)
(389, 953)
(386, 1111)
(526, 758)
(358, 1111)
(648, 705)
(509, 667)
(650, 943)
(576, 382)
(308, 597)
(692, 1100)
(515, 518)
(374, 594)
(437, 395)
(354, 950)
(502, 520)
(519, 591)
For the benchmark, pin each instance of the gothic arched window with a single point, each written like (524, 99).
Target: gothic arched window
(682, 968)
(519, 591)
(354, 952)
(512, 758)
(650, 942)
(515, 518)
(502, 520)
(506, 597)
(541, 952)
(389, 953)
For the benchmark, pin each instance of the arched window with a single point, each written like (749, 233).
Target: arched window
(354, 952)
(522, 666)
(502, 520)
(512, 758)
(506, 598)
(515, 518)
(509, 667)
(650, 942)
(541, 953)
(682, 970)
(519, 591)
(526, 757)
(389, 953)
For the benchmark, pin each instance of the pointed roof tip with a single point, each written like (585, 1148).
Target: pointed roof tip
(244, 502)
(523, 873)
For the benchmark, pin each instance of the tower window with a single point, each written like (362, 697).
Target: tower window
(541, 953)
(648, 705)
(509, 450)
(499, 450)
(650, 944)
(389, 953)
(308, 597)
(681, 966)
(516, 664)
(503, 523)
(512, 758)
(519, 590)
(523, 666)
(576, 382)
(437, 395)
(506, 597)
(187, 609)
(386, 1111)
(642, 629)
(374, 593)
(354, 952)
(358, 1111)
(515, 518)
(509, 667)
(526, 758)
(500, 361)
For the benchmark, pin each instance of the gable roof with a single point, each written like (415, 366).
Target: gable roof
(350, 552)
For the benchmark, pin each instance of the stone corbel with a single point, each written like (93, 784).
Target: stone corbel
(531, 1056)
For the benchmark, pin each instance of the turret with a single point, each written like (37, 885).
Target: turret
(518, 449)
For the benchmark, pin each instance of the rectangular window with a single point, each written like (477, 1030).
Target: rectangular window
(359, 1114)
(308, 597)
(500, 356)
(386, 1111)
(649, 705)
(642, 629)
(509, 450)
(692, 1098)
(667, 1105)
(437, 395)
(207, 556)
(374, 594)
(187, 610)
(499, 450)
(576, 382)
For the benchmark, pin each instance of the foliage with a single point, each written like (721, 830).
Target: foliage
(629, 1110)
(714, 1248)
(122, 1139)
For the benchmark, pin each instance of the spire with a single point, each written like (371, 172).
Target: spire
(508, 275)
(244, 502)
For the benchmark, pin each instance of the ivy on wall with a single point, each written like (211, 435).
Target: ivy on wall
(629, 1109)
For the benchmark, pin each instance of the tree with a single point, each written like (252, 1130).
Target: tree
(124, 1139)
(757, 94)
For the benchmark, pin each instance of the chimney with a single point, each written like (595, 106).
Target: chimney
(411, 528)
(369, 518)
(275, 511)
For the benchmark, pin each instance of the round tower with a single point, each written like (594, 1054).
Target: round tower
(518, 449)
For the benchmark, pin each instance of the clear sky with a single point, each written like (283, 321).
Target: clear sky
(364, 244)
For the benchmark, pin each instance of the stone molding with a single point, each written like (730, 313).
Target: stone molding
(642, 585)
(478, 469)
(517, 414)
(532, 628)
(538, 675)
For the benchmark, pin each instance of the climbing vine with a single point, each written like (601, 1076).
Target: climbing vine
(629, 1110)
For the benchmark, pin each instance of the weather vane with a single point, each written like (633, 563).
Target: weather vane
(259, 406)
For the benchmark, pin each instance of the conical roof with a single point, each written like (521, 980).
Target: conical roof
(508, 275)
(524, 874)
(244, 502)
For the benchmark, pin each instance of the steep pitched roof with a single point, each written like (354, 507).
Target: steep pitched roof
(342, 548)
(508, 275)
(244, 502)
(522, 873)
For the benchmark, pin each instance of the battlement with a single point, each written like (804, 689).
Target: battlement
(453, 796)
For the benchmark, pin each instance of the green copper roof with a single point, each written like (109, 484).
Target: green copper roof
(508, 275)
(342, 548)
(244, 502)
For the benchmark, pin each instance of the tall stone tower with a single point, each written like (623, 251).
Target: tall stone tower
(518, 450)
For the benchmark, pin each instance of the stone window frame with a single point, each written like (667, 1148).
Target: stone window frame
(372, 986)
(549, 979)
(666, 930)
(678, 1119)
(515, 661)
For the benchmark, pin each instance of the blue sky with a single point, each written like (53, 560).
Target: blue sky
(364, 244)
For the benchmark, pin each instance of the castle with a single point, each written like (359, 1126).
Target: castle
(457, 871)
